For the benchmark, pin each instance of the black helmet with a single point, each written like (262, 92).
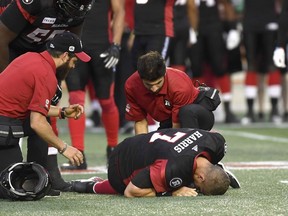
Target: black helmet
(73, 9)
(24, 181)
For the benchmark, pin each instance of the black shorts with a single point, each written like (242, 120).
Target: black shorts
(259, 48)
(95, 70)
(145, 43)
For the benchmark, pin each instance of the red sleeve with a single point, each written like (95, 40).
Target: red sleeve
(133, 112)
(157, 175)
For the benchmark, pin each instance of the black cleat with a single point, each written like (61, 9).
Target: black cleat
(69, 166)
(53, 193)
(85, 185)
(109, 151)
(234, 183)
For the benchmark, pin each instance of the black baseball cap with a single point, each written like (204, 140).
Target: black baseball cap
(69, 42)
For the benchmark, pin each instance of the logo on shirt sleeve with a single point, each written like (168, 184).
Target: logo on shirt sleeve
(47, 104)
(175, 182)
(128, 107)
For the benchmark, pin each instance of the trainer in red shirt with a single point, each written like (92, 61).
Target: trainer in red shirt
(168, 95)
(26, 87)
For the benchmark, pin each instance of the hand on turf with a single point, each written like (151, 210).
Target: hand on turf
(185, 191)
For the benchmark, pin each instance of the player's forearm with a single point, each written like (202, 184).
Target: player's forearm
(41, 126)
(141, 127)
(134, 191)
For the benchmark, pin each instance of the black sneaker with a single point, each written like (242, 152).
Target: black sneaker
(261, 117)
(109, 151)
(248, 119)
(53, 193)
(57, 181)
(275, 117)
(234, 183)
(85, 185)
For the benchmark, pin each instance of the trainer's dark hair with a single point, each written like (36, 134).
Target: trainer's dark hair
(151, 66)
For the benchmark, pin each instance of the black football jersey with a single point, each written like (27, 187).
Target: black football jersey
(259, 13)
(169, 154)
(96, 27)
(209, 17)
(36, 22)
(154, 17)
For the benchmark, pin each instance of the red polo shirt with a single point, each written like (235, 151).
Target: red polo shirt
(177, 91)
(27, 84)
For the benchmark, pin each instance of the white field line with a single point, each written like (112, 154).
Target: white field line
(255, 136)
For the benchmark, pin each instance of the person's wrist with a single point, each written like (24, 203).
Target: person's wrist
(61, 113)
(63, 149)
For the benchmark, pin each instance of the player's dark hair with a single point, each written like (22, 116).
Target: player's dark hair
(151, 66)
(217, 181)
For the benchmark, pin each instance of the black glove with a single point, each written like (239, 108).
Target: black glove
(58, 95)
(111, 55)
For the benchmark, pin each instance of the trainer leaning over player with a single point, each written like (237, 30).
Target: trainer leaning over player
(26, 88)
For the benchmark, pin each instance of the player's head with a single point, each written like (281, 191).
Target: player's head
(214, 181)
(73, 9)
(24, 181)
(151, 68)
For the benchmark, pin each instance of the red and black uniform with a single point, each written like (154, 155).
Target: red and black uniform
(164, 160)
(153, 27)
(260, 31)
(32, 78)
(96, 38)
(37, 22)
(210, 43)
(177, 94)
(178, 44)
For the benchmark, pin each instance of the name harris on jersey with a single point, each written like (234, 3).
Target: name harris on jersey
(188, 141)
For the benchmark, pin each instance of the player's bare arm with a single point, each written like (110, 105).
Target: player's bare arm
(134, 191)
(141, 126)
(40, 125)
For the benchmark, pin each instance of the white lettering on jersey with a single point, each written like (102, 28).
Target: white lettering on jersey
(40, 35)
(173, 139)
(188, 141)
(49, 20)
(209, 3)
(180, 2)
(141, 1)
